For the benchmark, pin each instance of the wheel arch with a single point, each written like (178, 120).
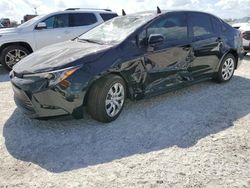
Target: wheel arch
(234, 53)
(129, 89)
(23, 44)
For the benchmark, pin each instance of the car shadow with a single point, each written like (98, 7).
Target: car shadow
(4, 74)
(179, 118)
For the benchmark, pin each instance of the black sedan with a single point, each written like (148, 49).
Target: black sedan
(132, 56)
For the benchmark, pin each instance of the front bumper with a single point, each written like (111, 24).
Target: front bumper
(47, 103)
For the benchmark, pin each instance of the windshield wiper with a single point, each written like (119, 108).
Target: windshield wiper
(90, 41)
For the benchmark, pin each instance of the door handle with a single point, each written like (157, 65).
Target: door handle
(219, 40)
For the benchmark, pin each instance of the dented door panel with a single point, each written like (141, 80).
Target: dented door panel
(168, 67)
(206, 52)
(155, 71)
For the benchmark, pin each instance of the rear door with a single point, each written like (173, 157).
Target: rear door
(168, 64)
(206, 43)
(57, 31)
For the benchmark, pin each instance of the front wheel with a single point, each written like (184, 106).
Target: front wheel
(106, 98)
(226, 70)
(12, 55)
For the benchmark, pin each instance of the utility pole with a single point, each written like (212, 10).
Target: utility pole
(35, 10)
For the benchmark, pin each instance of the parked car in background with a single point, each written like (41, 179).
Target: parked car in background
(16, 43)
(241, 22)
(245, 30)
(5, 22)
(134, 56)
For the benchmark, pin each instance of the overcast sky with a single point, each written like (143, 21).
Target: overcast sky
(16, 9)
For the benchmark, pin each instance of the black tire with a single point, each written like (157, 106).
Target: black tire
(219, 75)
(245, 53)
(97, 98)
(8, 49)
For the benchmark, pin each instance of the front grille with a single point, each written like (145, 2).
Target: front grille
(247, 35)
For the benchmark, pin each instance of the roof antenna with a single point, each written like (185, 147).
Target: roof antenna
(158, 10)
(123, 12)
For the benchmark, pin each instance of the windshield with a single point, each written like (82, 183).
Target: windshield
(116, 30)
(30, 22)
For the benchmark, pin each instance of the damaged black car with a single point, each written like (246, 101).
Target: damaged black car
(132, 56)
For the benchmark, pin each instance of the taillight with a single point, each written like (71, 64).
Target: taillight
(243, 35)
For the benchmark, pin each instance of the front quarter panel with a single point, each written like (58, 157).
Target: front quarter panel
(122, 59)
(25, 36)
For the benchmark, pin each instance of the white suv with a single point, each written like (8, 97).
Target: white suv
(16, 43)
(245, 30)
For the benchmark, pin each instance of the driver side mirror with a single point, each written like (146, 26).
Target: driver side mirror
(41, 25)
(155, 40)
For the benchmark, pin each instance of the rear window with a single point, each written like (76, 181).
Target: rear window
(226, 27)
(82, 19)
(201, 24)
(217, 24)
(107, 17)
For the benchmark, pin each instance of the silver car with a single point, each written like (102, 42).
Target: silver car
(41, 31)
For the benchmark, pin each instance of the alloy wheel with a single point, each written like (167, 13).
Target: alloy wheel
(115, 100)
(14, 56)
(228, 69)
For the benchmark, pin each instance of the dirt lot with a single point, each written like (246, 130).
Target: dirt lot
(195, 137)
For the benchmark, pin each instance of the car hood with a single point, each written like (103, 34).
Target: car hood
(6, 31)
(60, 55)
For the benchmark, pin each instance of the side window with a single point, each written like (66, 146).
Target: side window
(201, 24)
(107, 17)
(225, 27)
(217, 24)
(142, 38)
(173, 27)
(82, 19)
(57, 21)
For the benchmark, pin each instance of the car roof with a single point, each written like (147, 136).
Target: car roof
(87, 10)
(155, 14)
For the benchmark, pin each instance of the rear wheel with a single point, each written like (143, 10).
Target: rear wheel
(106, 98)
(12, 55)
(226, 70)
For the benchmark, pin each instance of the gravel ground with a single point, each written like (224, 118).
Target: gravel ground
(195, 137)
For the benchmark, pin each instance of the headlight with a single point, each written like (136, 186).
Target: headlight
(54, 77)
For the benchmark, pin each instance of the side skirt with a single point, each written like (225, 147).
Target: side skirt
(177, 87)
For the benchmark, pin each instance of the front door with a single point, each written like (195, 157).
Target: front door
(57, 30)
